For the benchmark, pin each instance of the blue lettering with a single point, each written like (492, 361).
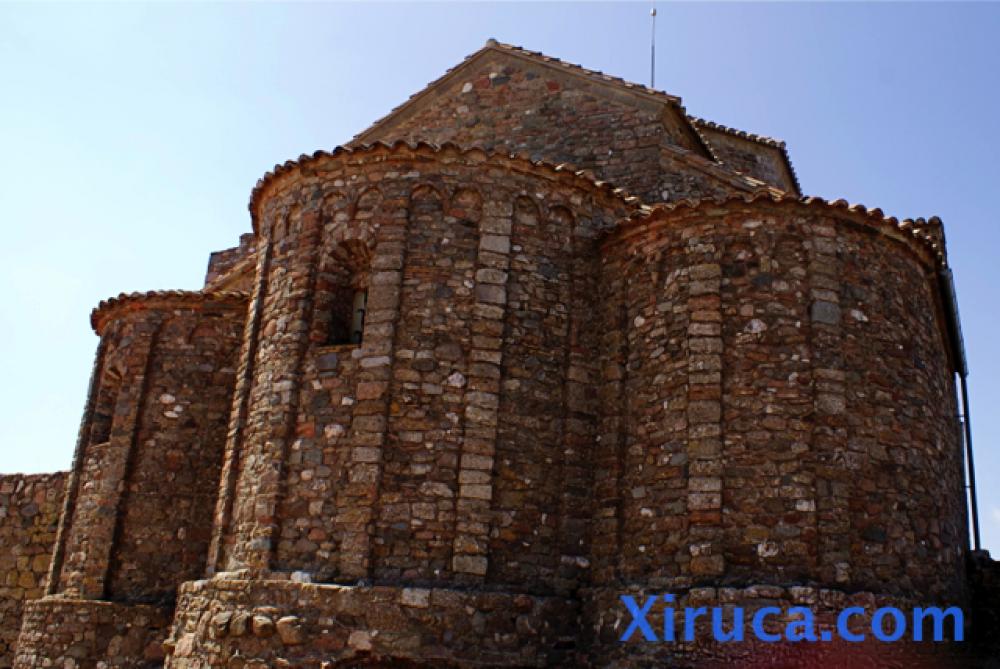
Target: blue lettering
(668, 619)
(843, 630)
(719, 633)
(879, 629)
(690, 616)
(807, 625)
(938, 615)
(639, 617)
(758, 624)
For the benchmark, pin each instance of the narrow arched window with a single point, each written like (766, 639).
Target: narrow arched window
(347, 294)
(104, 407)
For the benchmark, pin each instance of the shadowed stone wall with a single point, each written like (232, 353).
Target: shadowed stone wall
(781, 420)
(29, 516)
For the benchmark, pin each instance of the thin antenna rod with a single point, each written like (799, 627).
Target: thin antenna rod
(652, 48)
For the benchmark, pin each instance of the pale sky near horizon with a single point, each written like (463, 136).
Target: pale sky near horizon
(131, 135)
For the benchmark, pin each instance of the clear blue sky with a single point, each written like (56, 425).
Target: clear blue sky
(130, 137)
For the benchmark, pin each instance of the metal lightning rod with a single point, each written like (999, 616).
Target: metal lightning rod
(652, 48)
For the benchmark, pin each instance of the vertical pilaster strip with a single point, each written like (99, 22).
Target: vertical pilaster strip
(621, 437)
(833, 483)
(274, 402)
(579, 410)
(304, 287)
(358, 499)
(130, 456)
(238, 416)
(73, 482)
(704, 409)
(114, 465)
(476, 466)
(607, 452)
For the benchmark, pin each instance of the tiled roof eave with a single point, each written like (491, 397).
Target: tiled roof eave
(107, 308)
(585, 178)
(926, 233)
(759, 139)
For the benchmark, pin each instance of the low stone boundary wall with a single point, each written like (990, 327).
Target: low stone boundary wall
(268, 623)
(29, 517)
(90, 634)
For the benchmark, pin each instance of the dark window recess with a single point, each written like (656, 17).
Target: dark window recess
(104, 408)
(343, 292)
(347, 318)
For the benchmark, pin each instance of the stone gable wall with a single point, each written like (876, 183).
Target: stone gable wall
(551, 116)
(745, 155)
(29, 516)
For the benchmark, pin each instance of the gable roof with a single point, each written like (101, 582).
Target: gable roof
(619, 85)
(757, 139)
(537, 58)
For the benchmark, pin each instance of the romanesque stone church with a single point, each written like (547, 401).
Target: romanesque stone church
(535, 340)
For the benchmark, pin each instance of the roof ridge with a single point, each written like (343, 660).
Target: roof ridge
(585, 70)
(928, 232)
(363, 149)
(761, 139)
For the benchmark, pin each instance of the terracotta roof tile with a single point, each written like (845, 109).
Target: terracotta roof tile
(126, 300)
(760, 139)
(666, 97)
(929, 233)
(564, 169)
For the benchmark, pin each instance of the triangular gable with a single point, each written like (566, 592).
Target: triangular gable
(776, 169)
(606, 85)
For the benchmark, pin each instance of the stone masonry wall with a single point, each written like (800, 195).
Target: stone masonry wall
(396, 459)
(165, 520)
(90, 634)
(221, 262)
(759, 160)
(521, 107)
(255, 624)
(785, 409)
(149, 469)
(29, 515)
(138, 517)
